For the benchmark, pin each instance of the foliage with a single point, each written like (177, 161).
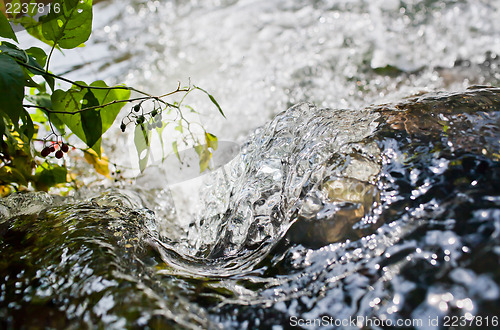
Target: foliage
(33, 102)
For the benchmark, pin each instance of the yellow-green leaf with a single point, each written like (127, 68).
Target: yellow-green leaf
(211, 140)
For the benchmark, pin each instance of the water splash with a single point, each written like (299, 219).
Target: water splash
(389, 212)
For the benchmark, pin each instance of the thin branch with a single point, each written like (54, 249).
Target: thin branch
(158, 98)
(93, 107)
(50, 56)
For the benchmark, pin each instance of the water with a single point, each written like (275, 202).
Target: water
(379, 213)
(387, 212)
(261, 57)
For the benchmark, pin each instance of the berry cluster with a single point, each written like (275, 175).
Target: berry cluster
(154, 120)
(50, 149)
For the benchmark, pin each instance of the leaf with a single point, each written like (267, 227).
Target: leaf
(205, 159)
(25, 57)
(43, 100)
(213, 100)
(73, 100)
(33, 8)
(199, 149)
(16, 7)
(49, 177)
(13, 51)
(101, 165)
(141, 140)
(179, 127)
(176, 151)
(159, 130)
(70, 101)
(12, 87)
(38, 54)
(211, 140)
(10, 174)
(6, 29)
(38, 59)
(27, 128)
(109, 113)
(91, 120)
(34, 28)
(71, 26)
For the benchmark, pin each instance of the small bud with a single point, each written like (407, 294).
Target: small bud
(137, 107)
(122, 127)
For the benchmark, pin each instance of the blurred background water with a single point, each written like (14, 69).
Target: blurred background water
(389, 212)
(260, 57)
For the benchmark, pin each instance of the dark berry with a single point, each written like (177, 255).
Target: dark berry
(64, 147)
(59, 154)
(153, 113)
(122, 127)
(137, 107)
(45, 151)
(52, 149)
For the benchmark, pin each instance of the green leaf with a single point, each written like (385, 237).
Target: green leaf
(38, 55)
(211, 140)
(3, 130)
(5, 29)
(13, 51)
(33, 8)
(34, 28)
(10, 174)
(199, 149)
(16, 7)
(28, 81)
(109, 113)
(159, 130)
(142, 140)
(41, 116)
(179, 127)
(12, 87)
(34, 57)
(176, 151)
(213, 100)
(38, 59)
(71, 26)
(27, 129)
(74, 100)
(49, 177)
(91, 120)
(70, 101)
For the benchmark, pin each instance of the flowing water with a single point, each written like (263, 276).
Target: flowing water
(332, 210)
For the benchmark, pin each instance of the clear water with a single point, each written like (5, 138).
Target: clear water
(388, 212)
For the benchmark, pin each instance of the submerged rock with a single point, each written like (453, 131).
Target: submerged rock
(446, 125)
